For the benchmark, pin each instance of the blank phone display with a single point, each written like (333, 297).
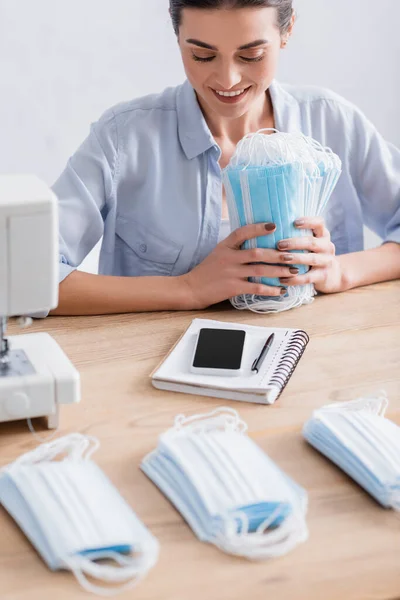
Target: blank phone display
(219, 349)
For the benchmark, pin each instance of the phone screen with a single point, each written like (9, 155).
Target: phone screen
(219, 349)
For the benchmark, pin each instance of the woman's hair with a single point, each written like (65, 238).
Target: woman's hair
(284, 7)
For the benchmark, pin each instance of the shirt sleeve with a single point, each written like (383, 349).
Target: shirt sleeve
(376, 175)
(83, 191)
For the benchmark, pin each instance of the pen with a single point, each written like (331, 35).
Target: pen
(258, 362)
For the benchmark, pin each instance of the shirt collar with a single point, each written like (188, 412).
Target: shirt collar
(285, 108)
(194, 133)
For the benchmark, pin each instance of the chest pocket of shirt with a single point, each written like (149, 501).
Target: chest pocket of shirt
(140, 251)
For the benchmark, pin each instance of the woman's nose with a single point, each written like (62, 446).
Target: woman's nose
(228, 77)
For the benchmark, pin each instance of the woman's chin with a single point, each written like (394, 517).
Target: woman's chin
(231, 110)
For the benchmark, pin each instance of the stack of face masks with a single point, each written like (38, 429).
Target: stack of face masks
(363, 443)
(73, 515)
(228, 490)
(278, 178)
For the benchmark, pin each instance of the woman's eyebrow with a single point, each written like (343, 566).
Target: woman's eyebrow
(201, 44)
(253, 44)
(209, 47)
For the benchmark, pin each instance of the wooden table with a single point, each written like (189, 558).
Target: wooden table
(354, 547)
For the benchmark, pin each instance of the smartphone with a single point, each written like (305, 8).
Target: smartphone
(219, 352)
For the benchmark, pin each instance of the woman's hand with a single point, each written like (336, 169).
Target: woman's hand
(224, 273)
(325, 272)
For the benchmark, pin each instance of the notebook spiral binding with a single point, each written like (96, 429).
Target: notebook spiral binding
(293, 352)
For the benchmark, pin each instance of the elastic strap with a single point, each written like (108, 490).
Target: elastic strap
(36, 435)
(75, 446)
(230, 417)
(129, 572)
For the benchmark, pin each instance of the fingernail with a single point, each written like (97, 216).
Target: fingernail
(287, 257)
(293, 270)
(270, 226)
(283, 245)
(299, 222)
(283, 291)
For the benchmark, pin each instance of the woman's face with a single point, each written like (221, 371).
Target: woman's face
(230, 51)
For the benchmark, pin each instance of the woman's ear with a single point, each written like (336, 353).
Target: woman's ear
(285, 37)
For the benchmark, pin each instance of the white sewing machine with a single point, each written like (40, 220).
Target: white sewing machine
(35, 374)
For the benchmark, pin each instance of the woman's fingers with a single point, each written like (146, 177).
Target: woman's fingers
(267, 271)
(312, 244)
(312, 259)
(259, 255)
(258, 289)
(312, 276)
(316, 224)
(318, 253)
(237, 238)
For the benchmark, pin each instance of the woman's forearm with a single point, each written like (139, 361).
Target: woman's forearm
(87, 294)
(370, 266)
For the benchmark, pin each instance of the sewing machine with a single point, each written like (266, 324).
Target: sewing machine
(35, 374)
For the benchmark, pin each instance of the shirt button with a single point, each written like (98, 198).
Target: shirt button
(143, 248)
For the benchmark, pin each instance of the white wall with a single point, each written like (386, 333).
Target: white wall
(62, 62)
(352, 47)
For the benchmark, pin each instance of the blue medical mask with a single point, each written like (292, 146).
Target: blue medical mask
(278, 178)
(268, 195)
(74, 516)
(229, 491)
(363, 443)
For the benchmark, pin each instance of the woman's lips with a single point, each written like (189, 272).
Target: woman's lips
(231, 99)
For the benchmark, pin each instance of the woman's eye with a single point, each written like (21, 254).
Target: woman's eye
(252, 58)
(203, 58)
(248, 59)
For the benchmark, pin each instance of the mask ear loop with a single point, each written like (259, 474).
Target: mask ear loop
(248, 140)
(127, 571)
(250, 151)
(268, 142)
(376, 405)
(76, 446)
(260, 544)
(37, 436)
(231, 418)
(266, 129)
(332, 165)
(235, 162)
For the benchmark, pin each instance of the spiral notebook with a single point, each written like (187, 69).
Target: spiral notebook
(264, 387)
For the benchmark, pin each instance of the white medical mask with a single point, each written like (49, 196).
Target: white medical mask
(228, 490)
(73, 515)
(363, 443)
(278, 178)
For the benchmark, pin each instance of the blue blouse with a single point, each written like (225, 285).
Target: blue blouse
(147, 179)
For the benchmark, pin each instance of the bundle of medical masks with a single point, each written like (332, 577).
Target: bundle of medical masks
(278, 178)
(74, 516)
(363, 443)
(227, 489)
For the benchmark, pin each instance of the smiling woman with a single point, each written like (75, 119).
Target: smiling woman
(148, 178)
(225, 71)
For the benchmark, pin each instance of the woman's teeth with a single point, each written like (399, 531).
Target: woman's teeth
(230, 94)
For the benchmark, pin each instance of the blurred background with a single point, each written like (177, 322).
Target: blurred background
(63, 62)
